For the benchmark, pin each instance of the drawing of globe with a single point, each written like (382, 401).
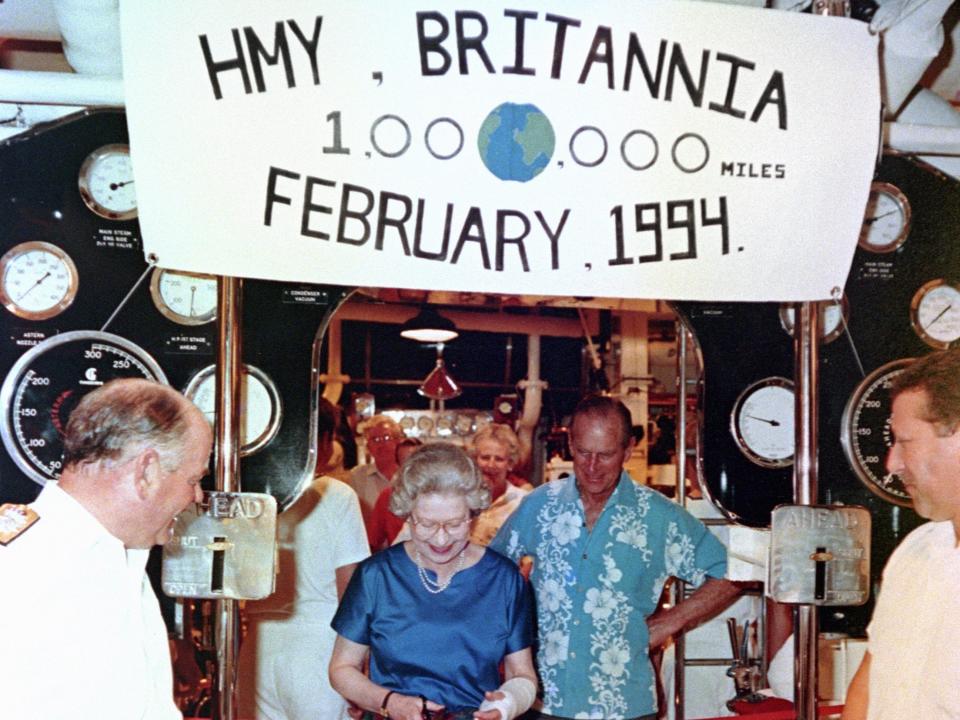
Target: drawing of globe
(516, 142)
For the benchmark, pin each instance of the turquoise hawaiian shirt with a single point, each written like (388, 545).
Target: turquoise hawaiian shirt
(595, 589)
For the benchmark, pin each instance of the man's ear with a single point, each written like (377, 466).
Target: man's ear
(147, 473)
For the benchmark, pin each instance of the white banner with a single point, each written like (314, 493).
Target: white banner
(655, 149)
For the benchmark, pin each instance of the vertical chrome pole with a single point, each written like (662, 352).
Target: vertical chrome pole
(680, 647)
(227, 470)
(806, 352)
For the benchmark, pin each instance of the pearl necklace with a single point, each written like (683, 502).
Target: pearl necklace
(432, 586)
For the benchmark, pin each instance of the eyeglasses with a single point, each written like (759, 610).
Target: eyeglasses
(426, 528)
(381, 439)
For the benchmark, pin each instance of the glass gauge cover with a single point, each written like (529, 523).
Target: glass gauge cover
(445, 425)
(886, 222)
(935, 313)
(425, 424)
(833, 317)
(106, 183)
(464, 424)
(48, 381)
(260, 408)
(867, 438)
(37, 280)
(762, 422)
(185, 298)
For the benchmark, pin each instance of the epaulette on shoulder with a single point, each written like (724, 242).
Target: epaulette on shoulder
(14, 521)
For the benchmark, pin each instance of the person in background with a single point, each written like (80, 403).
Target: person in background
(384, 525)
(83, 636)
(382, 434)
(602, 548)
(436, 616)
(320, 540)
(495, 448)
(912, 665)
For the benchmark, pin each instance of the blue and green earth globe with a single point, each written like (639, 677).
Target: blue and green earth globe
(516, 142)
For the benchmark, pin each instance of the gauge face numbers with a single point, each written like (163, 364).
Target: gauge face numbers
(106, 183)
(37, 280)
(762, 422)
(185, 298)
(833, 318)
(867, 438)
(935, 313)
(886, 222)
(45, 385)
(260, 408)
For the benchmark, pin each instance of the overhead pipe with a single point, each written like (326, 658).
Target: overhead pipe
(533, 388)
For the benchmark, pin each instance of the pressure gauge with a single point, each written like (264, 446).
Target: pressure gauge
(106, 183)
(445, 425)
(185, 298)
(886, 223)
(464, 424)
(867, 437)
(48, 381)
(407, 423)
(425, 424)
(260, 407)
(935, 313)
(762, 422)
(37, 280)
(833, 318)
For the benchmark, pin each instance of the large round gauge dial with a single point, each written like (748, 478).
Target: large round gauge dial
(935, 313)
(185, 298)
(762, 422)
(867, 438)
(106, 183)
(37, 280)
(260, 407)
(833, 318)
(48, 381)
(886, 223)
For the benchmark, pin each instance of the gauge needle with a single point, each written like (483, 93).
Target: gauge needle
(870, 221)
(27, 291)
(772, 423)
(193, 292)
(940, 315)
(114, 186)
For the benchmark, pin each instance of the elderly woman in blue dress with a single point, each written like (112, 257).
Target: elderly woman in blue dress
(436, 615)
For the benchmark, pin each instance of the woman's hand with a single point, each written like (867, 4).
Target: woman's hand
(410, 707)
(490, 714)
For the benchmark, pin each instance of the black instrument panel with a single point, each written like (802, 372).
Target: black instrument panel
(81, 305)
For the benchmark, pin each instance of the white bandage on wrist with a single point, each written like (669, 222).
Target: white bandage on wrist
(518, 695)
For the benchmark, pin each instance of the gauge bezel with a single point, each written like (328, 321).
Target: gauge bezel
(276, 405)
(918, 297)
(156, 294)
(83, 183)
(787, 323)
(849, 436)
(904, 204)
(33, 246)
(741, 442)
(21, 367)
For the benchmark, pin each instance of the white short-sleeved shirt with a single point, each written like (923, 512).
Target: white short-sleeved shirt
(915, 631)
(283, 660)
(80, 627)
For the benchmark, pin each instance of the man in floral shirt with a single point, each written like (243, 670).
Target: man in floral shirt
(602, 548)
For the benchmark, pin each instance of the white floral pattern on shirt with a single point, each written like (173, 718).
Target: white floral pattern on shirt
(594, 590)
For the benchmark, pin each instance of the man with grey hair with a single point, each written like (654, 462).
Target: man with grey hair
(83, 635)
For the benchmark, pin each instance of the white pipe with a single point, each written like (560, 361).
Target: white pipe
(55, 88)
(334, 378)
(923, 139)
(532, 399)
